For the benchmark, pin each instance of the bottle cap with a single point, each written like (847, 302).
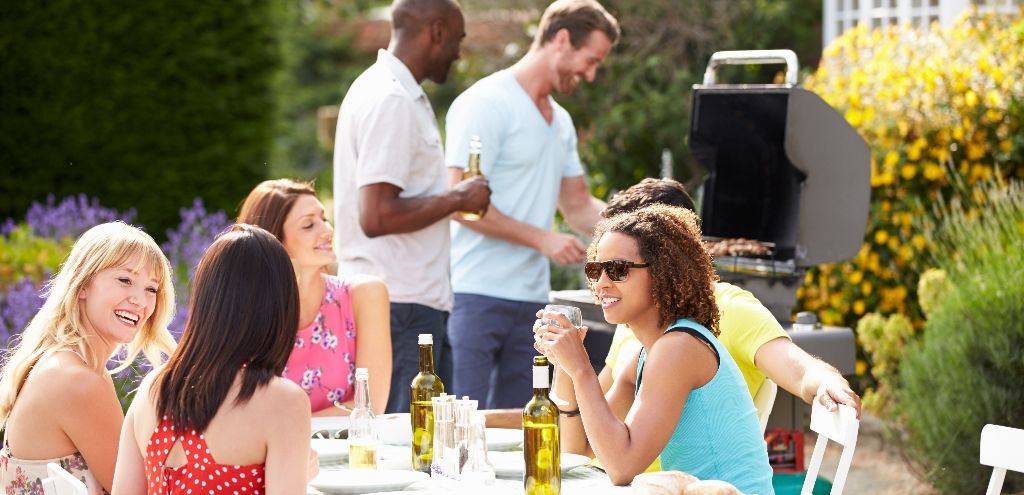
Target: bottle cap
(362, 373)
(426, 339)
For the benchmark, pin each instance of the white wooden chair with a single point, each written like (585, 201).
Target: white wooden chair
(1002, 448)
(61, 482)
(764, 400)
(840, 427)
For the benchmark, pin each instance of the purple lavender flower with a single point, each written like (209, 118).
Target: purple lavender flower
(184, 247)
(17, 306)
(70, 218)
(8, 227)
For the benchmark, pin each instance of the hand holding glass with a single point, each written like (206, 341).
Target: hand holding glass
(575, 317)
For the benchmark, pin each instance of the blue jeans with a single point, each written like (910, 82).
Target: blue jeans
(408, 320)
(492, 349)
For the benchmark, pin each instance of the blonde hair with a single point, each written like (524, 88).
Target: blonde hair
(58, 324)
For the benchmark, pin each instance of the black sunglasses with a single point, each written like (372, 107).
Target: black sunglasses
(617, 270)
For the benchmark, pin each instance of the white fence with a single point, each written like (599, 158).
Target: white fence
(840, 15)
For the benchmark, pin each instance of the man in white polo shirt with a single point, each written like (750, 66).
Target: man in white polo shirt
(391, 194)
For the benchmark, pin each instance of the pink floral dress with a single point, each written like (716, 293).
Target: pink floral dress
(323, 361)
(24, 477)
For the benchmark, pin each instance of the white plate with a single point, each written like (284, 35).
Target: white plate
(330, 450)
(346, 481)
(511, 465)
(504, 438)
(329, 424)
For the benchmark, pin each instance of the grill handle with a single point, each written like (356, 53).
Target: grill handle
(753, 57)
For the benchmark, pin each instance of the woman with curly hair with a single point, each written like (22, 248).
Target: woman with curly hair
(690, 406)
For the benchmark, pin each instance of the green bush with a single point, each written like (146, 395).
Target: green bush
(23, 254)
(143, 104)
(884, 339)
(968, 369)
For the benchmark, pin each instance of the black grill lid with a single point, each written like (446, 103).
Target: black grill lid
(783, 166)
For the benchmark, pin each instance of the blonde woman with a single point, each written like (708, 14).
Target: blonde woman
(57, 397)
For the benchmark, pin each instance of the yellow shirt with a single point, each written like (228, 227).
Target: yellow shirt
(744, 323)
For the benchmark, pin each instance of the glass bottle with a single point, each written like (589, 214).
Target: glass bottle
(362, 431)
(473, 170)
(478, 471)
(425, 386)
(541, 450)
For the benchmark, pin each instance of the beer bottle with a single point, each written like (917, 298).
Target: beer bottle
(540, 437)
(473, 170)
(362, 432)
(425, 386)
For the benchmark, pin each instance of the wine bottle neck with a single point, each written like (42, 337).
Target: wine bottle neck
(426, 358)
(540, 379)
(362, 397)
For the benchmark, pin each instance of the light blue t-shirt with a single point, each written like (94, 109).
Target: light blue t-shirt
(718, 436)
(525, 159)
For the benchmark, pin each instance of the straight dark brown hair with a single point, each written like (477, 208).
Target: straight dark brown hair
(269, 203)
(243, 317)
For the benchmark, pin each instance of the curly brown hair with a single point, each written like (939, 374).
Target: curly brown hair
(682, 276)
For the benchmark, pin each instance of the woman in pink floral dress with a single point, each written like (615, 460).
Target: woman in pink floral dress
(57, 399)
(343, 323)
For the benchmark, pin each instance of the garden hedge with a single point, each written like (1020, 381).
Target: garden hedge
(142, 104)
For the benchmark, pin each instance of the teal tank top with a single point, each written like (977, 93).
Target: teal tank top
(718, 436)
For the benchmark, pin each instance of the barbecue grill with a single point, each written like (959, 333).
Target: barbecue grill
(783, 169)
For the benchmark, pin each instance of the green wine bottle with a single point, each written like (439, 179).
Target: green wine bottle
(540, 437)
(425, 386)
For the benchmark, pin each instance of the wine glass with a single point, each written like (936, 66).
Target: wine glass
(575, 317)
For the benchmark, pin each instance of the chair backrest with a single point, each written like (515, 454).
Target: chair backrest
(840, 427)
(764, 400)
(1002, 448)
(61, 482)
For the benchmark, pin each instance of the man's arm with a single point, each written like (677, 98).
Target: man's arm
(804, 375)
(382, 211)
(563, 248)
(581, 210)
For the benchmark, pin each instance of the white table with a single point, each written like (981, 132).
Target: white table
(584, 480)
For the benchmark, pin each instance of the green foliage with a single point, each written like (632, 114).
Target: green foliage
(143, 104)
(884, 339)
(968, 369)
(23, 254)
(319, 67)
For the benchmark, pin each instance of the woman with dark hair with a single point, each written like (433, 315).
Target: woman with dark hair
(218, 415)
(690, 406)
(344, 324)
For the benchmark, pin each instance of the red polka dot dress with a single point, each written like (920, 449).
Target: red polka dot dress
(200, 475)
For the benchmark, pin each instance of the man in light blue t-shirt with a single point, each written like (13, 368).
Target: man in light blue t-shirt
(500, 270)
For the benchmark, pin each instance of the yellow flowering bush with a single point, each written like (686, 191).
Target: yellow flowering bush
(939, 107)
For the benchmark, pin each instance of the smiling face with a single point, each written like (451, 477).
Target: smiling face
(118, 301)
(575, 64)
(307, 234)
(628, 301)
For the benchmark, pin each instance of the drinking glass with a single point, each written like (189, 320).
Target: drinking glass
(575, 317)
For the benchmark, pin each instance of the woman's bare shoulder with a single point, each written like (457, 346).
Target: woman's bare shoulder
(65, 374)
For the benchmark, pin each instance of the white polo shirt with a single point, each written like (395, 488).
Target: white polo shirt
(387, 133)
